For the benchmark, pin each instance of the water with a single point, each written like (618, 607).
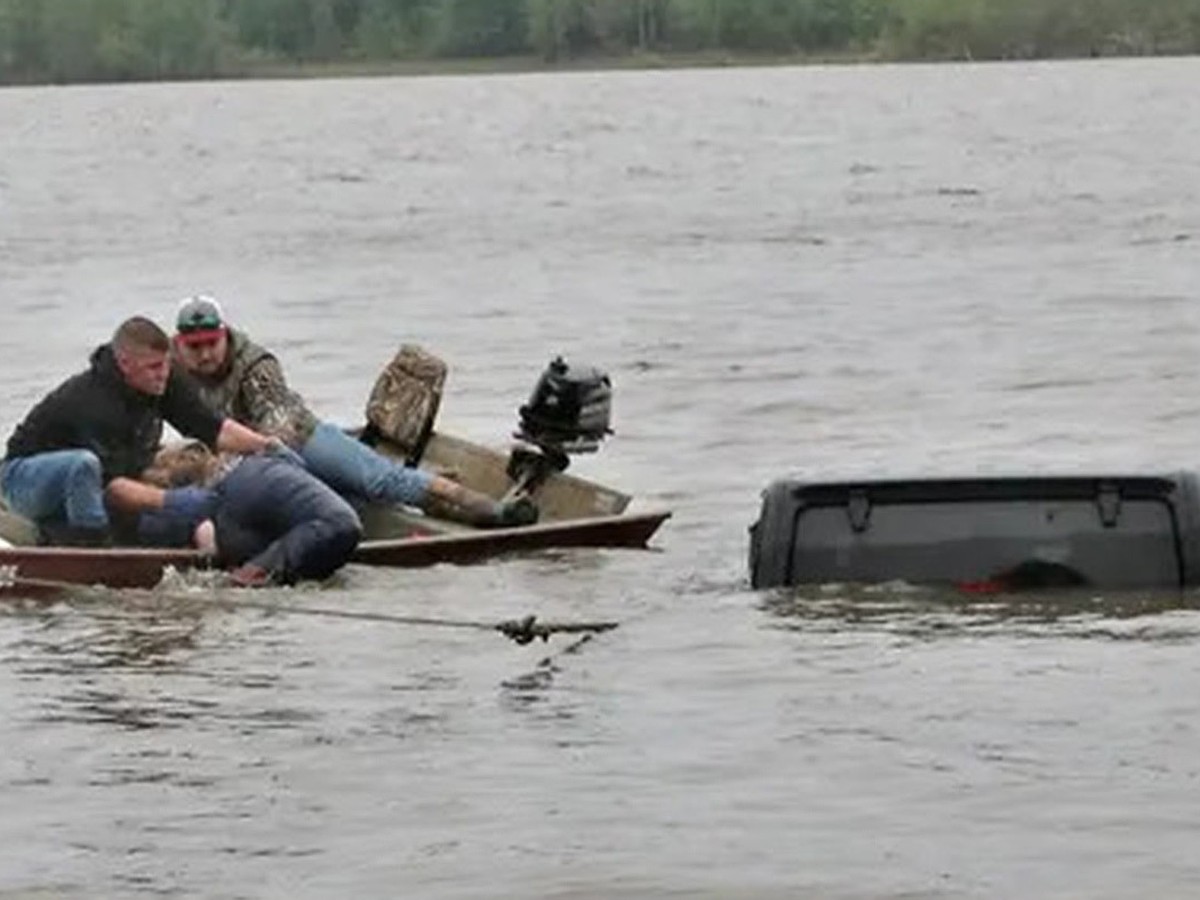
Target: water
(882, 270)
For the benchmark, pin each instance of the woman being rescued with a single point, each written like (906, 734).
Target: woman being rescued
(263, 515)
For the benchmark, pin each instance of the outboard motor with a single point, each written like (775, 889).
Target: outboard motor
(568, 412)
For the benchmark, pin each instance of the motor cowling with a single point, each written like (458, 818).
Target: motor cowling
(569, 410)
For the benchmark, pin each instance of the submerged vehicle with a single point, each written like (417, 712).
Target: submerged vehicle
(567, 414)
(996, 533)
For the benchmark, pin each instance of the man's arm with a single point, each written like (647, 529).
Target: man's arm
(234, 437)
(130, 495)
(273, 407)
(191, 416)
(166, 518)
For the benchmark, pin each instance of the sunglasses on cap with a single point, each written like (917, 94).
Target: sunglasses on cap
(200, 321)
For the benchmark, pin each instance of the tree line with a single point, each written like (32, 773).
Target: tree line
(89, 40)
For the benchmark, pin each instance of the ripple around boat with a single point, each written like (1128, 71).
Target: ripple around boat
(574, 512)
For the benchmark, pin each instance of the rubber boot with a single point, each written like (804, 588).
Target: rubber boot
(449, 500)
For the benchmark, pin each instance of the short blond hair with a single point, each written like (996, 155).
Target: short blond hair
(140, 333)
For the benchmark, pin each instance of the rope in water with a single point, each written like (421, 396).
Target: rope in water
(523, 630)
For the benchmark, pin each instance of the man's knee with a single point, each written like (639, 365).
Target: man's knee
(42, 485)
(336, 535)
(85, 468)
(342, 530)
(346, 528)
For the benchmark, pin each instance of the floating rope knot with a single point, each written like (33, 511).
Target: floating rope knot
(524, 630)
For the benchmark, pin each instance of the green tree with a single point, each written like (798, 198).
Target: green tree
(291, 29)
(482, 27)
(183, 38)
(548, 27)
(388, 29)
(836, 24)
(936, 29)
(22, 39)
(702, 24)
(565, 28)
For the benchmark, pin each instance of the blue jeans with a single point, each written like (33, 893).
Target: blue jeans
(58, 486)
(274, 515)
(352, 468)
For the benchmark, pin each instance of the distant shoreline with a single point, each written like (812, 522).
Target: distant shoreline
(531, 64)
(501, 65)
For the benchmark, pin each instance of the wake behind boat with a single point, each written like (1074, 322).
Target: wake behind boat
(566, 415)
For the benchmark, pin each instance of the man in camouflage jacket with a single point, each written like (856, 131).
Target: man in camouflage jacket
(242, 380)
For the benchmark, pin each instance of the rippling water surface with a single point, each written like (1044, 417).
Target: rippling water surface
(880, 270)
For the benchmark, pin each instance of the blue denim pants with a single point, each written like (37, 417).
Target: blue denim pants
(352, 468)
(58, 486)
(273, 514)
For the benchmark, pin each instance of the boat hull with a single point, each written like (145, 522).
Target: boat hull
(34, 570)
(575, 512)
(629, 530)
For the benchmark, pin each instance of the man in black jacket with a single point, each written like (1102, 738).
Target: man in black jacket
(90, 438)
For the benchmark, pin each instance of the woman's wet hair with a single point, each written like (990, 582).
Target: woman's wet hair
(177, 465)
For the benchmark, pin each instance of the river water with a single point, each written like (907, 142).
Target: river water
(880, 270)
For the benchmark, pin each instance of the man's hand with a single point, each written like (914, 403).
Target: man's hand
(176, 523)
